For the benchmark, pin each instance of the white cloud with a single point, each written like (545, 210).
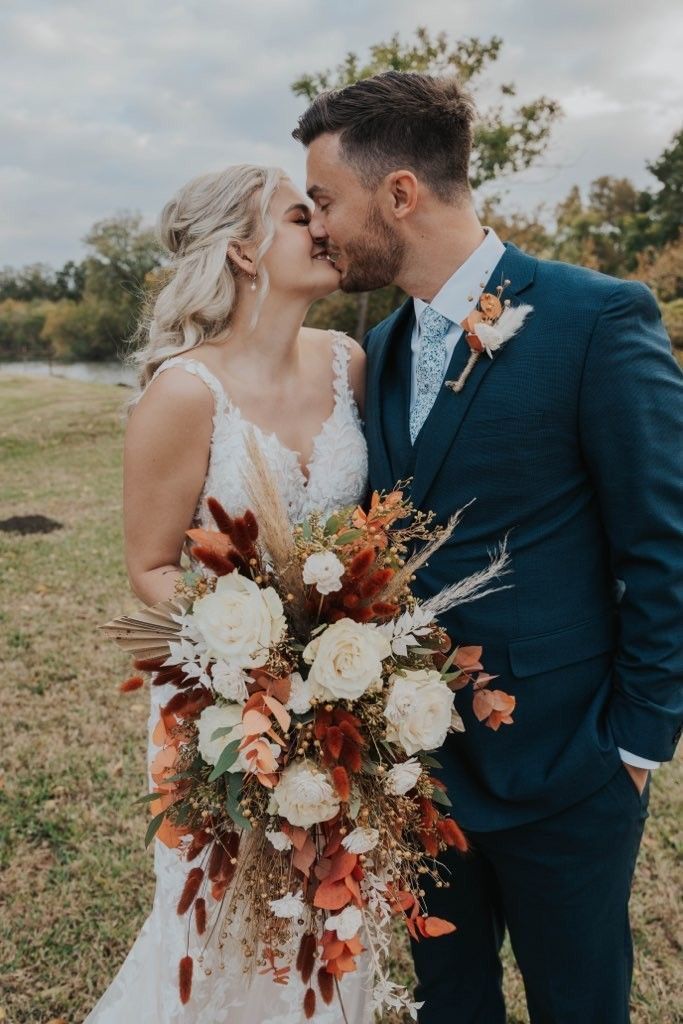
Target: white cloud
(112, 104)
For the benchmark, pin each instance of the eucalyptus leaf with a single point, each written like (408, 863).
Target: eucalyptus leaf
(226, 760)
(153, 827)
(332, 525)
(430, 761)
(147, 798)
(354, 805)
(224, 730)
(439, 797)
(233, 810)
(348, 537)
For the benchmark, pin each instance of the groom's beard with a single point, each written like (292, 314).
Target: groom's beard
(375, 259)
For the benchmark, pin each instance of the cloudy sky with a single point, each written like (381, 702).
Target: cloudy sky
(109, 105)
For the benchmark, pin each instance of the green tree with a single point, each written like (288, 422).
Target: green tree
(666, 208)
(21, 326)
(123, 251)
(508, 137)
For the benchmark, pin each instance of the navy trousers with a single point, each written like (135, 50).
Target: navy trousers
(561, 887)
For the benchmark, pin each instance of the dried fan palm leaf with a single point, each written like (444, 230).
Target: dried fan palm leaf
(147, 633)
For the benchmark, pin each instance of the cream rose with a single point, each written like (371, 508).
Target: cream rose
(361, 839)
(239, 621)
(346, 659)
(418, 710)
(403, 777)
(230, 681)
(300, 695)
(305, 796)
(346, 924)
(228, 716)
(324, 571)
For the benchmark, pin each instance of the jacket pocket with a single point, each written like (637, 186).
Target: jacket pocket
(531, 655)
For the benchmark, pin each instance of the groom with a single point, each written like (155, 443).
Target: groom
(570, 438)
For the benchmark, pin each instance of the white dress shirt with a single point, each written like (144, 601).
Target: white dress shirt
(455, 300)
(458, 297)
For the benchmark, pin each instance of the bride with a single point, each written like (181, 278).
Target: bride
(226, 354)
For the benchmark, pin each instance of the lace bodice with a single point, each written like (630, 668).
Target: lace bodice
(338, 467)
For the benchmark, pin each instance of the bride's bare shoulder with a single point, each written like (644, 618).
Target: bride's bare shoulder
(176, 402)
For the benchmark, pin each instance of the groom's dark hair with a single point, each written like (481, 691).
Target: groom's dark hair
(398, 120)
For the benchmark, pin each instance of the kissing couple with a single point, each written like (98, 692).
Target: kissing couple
(543, 396)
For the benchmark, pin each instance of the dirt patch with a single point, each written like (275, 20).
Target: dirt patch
(29, 524)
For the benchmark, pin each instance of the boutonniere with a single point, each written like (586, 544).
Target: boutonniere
(493, 322)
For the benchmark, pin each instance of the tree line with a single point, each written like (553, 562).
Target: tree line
(88, 309)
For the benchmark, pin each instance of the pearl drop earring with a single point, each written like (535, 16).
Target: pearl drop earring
(253, 283)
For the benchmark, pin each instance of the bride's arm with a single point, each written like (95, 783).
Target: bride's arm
(357, 370)
(166, 453)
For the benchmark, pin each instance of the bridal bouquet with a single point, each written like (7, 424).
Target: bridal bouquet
(293, 770)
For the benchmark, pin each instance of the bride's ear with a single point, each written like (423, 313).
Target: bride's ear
(241, 258)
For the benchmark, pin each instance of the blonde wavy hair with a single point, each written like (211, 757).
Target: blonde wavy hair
(199, 288)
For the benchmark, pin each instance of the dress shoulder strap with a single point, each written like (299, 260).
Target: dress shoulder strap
(197, 368)
(341, 357)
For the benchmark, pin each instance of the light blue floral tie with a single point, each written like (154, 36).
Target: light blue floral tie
(431, 366)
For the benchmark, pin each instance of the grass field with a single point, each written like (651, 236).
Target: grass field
(75, 881)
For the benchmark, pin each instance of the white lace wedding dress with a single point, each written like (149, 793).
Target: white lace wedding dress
(145, 991)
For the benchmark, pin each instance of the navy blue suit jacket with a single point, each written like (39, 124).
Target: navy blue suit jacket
(570, 440)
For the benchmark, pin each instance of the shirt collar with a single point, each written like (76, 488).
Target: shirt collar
(461, 292)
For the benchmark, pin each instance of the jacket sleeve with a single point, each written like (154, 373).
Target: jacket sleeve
(631, 434)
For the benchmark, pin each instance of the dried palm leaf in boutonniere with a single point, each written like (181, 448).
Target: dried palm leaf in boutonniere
(494, 321)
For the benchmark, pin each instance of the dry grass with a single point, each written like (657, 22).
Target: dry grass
(76, 882)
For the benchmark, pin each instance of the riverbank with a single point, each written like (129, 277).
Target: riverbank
(76, 883)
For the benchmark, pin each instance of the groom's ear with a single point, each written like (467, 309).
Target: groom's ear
(403, 188)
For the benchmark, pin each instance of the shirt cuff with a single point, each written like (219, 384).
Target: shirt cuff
(637, 762)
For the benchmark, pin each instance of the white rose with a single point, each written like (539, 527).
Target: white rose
(239, 621)
(361, 839)
(418, 710)
(324, 571)
(305, 796)
(279, 840)
(300, 695)
(346, 659)
(288, 906)
(345, 924)
(230, 681)
(227, 716)
(400, 779)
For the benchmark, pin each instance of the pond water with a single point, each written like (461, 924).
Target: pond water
(99, 373)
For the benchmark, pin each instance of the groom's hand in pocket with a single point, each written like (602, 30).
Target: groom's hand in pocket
(639, 776)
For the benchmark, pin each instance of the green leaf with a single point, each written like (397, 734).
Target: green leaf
(153, 827)
(233, 810)
(234, 783)
(449, 661)
(332, 525)
(439, 797)
(190, 578)
(224, 730)
(306, 531)
(429, 761)
(348, 537)
(354, 805)
(147, 798)
(226, 760)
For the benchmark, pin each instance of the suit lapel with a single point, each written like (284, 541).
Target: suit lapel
(387, 402)
(449, 410)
